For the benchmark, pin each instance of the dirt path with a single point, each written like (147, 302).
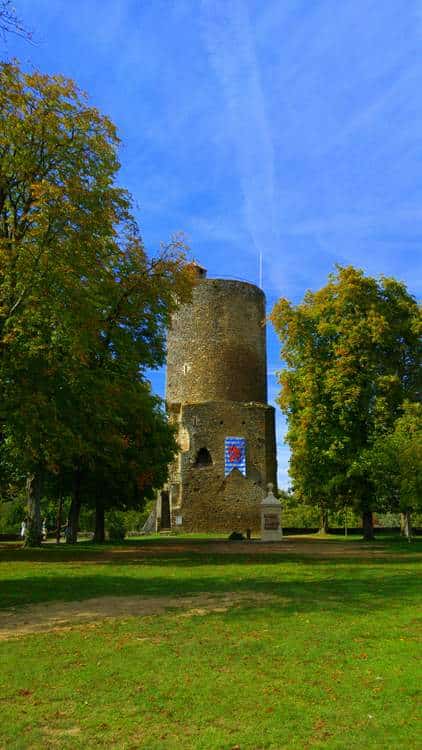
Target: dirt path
(312, 547)
(41, 618)
(319, 549)
(139, 550)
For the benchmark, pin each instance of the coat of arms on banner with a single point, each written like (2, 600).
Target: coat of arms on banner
(234, 455)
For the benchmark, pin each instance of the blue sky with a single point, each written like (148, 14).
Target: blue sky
(287, 127)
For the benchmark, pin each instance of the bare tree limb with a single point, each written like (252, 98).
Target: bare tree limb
(10, 23)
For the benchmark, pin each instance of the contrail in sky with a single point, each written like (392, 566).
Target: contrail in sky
(231, 48)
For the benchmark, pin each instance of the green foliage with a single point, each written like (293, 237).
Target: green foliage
(353, 356)
(116, 526)
(134, 520)
(12, 513)
(83, 309)
(388, 519)
(298, 514)
(394, 462)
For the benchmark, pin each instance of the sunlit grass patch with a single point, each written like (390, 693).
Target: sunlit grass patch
(330, 661)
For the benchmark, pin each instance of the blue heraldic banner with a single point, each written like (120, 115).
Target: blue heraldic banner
(234, 455)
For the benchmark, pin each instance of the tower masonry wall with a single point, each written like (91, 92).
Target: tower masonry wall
(217, 345)
(201, 495)
(217, 388)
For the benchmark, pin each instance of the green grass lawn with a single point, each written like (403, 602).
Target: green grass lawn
(330, 662)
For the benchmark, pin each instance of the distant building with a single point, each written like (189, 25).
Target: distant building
(216, 393)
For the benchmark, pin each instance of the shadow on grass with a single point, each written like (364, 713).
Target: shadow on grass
(192, 556)
(337, 590)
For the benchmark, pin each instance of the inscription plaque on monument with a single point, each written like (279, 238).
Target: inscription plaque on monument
(271, 521)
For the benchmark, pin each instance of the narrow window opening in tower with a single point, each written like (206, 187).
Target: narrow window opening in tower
(203, 458)
(186, 368)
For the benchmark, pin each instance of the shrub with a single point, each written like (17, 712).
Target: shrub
(116, 526)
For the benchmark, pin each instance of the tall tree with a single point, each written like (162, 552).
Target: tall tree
(394, 464)
(134, 456)
(82, 307)
(353, 356)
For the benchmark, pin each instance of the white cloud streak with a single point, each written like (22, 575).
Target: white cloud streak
(230, 45)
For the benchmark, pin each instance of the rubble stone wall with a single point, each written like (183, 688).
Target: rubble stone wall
(202, 496)
(217, 388)
(217, 345)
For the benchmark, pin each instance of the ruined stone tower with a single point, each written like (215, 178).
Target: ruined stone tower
(216, 392)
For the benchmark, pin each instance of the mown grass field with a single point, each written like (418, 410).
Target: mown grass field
(311, 644)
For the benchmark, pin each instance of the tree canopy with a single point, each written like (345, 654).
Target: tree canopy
(353, 356)
(83, 309)
(394, 464)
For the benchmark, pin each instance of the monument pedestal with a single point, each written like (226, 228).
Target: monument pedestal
(271, 530)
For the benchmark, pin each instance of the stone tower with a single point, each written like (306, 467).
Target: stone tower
(216, 393)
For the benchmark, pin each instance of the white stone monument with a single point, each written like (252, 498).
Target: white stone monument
(271, 530)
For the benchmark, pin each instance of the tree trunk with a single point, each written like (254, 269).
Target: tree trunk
(367, 526)
(407, 525)
(323, 528)
(99, 533)
(74, 510)
(59, 519)
(33, 536)
(402, 522)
